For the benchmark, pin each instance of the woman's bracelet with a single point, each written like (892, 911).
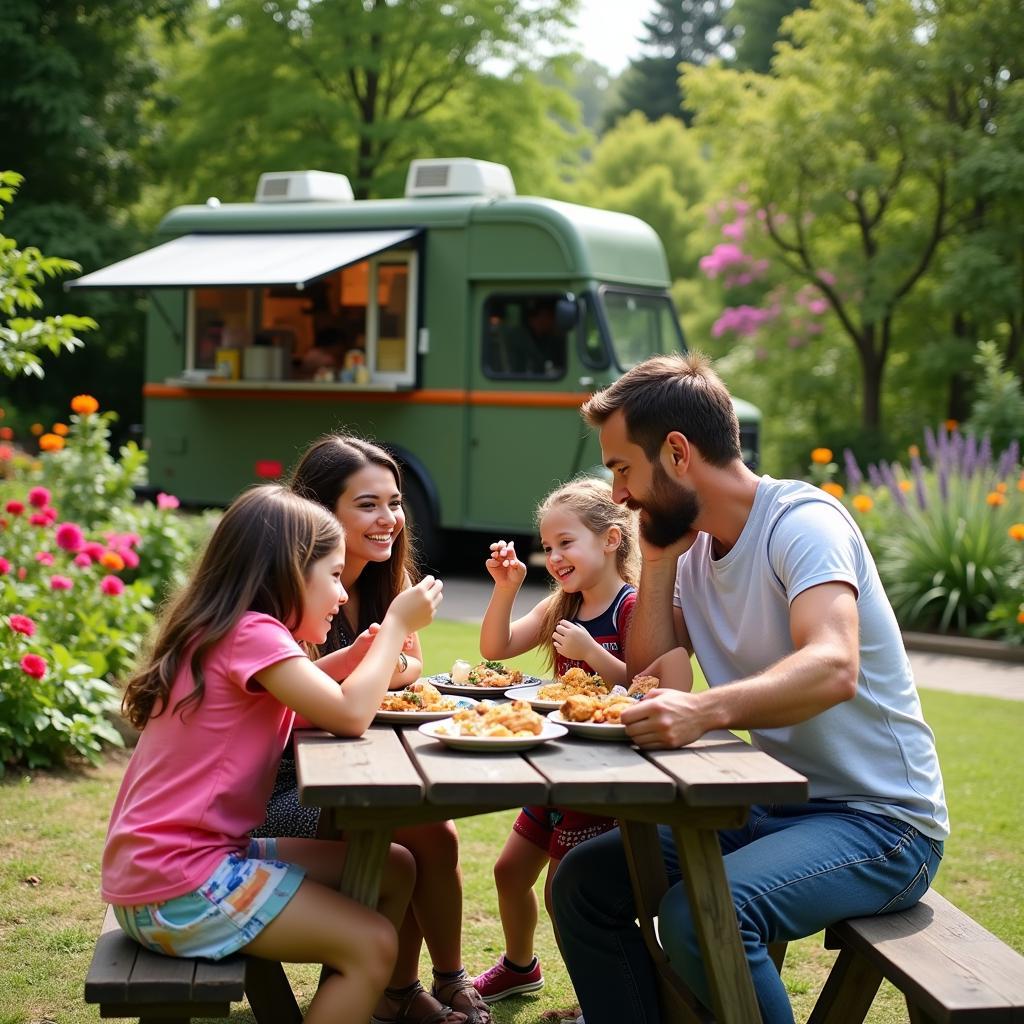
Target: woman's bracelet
(403, 661)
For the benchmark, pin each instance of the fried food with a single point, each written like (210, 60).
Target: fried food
(418, 696)
(601, 710)
(572, 682)
(642, 684)
(491, 673)
(516, 718)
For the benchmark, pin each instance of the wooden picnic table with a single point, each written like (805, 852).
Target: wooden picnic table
(394, 776)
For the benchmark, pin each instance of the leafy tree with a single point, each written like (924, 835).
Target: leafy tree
(654, 172)
(757, 27)
(362, 87)
(846, 162)
(22, 271)
(77, 80)
(675, 32)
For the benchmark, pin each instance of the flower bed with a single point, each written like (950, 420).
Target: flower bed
(81, 570)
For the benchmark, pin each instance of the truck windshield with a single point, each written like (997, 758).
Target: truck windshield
(640, 326)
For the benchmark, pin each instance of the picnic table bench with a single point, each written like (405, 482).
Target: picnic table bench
(130, 981)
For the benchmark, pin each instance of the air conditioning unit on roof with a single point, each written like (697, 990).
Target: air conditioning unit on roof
(303, 187)
(458, 176)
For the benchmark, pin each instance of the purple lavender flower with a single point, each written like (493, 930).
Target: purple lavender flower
(854, 477)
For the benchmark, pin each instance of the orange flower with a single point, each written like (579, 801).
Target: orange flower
(1001, 488)
(836, 490)
(37, 429)
(994, 498)
(112, 560)
(51, 443)
(1020, 616)
(914, 451)
(7, 434)
(905, 485)
(951, 425)
(863, 503)
(1017, 531)
(1020, 482)
(822, 456)
(61, 429)
(84, 405)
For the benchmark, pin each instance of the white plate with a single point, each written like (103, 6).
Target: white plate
(529, 693)
(443, 681)
(591, 730)
(415, 717)
(550, 731)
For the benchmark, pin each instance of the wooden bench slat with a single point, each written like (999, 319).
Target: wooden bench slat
(736, 774)
(221, 980)
(946, 963)
(160, 979)
(112, 963)
(485, 780)
(584, 772)
(369, 771)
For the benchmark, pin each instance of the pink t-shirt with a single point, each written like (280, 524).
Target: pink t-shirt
(194, 788)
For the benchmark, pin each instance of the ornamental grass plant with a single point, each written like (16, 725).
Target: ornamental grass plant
(946, 530)
(82, 569)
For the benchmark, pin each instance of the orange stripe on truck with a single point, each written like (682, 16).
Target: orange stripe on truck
(423, 396)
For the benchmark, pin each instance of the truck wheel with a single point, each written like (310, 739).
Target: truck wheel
(426, 535)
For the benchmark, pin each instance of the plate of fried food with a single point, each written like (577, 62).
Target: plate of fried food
(511, 726)
(598, 716)
(419, 702)
(549, 694)
(485, 679)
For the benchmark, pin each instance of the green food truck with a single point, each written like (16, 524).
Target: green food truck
(462, 326)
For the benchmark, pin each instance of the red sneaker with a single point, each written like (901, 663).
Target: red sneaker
(501, 981)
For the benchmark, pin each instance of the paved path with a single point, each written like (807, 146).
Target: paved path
(465, 599)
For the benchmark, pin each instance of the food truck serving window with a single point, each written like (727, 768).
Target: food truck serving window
(522, 337)
(355, 325)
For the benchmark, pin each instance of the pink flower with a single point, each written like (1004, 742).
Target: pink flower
(721, 258)
(167, 501)
(130, 559)
(70, 537)
(6, 453)
(44, 558)
(23, 624)
(39, 519)
(39, 497)
(14, 507)
(61, 582)
(34, 666)
(735, 230)
(94, 550)
(51, 513)
(111, 585)
(5, 566)
(22, 572)
(82, 560)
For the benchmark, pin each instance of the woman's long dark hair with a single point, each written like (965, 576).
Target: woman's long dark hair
(257, 560)
(322, 476)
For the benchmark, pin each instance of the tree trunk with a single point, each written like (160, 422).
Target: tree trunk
(958, 401)
(872, 367)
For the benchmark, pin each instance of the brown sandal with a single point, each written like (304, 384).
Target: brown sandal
(460, 993)
(405, 1014)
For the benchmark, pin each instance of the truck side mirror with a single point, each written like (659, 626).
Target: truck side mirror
(567, 313)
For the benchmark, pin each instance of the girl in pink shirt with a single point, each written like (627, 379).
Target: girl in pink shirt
(216, 701)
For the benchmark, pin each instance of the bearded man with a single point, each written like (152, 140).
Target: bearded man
(771, 585)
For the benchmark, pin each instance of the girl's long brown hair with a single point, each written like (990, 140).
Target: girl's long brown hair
(257, 560)
(591, 500)
(322, 476)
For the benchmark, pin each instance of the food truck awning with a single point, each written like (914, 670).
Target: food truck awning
(210, 261)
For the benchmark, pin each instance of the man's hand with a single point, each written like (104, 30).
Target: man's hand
(664, 720)
(571, 640)
(651, 553)
(504, 566)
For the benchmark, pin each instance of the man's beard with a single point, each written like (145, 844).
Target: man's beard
(669, 512)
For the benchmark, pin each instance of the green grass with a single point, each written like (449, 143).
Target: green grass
(52, 826)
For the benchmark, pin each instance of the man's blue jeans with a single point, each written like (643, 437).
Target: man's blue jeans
(792, 870)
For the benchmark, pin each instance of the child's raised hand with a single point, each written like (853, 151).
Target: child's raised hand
(414, 607)
(504, 566)
(362, 642)
(571, 640)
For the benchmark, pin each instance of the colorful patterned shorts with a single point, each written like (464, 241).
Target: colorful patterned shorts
(224, 914)
(556, 830)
